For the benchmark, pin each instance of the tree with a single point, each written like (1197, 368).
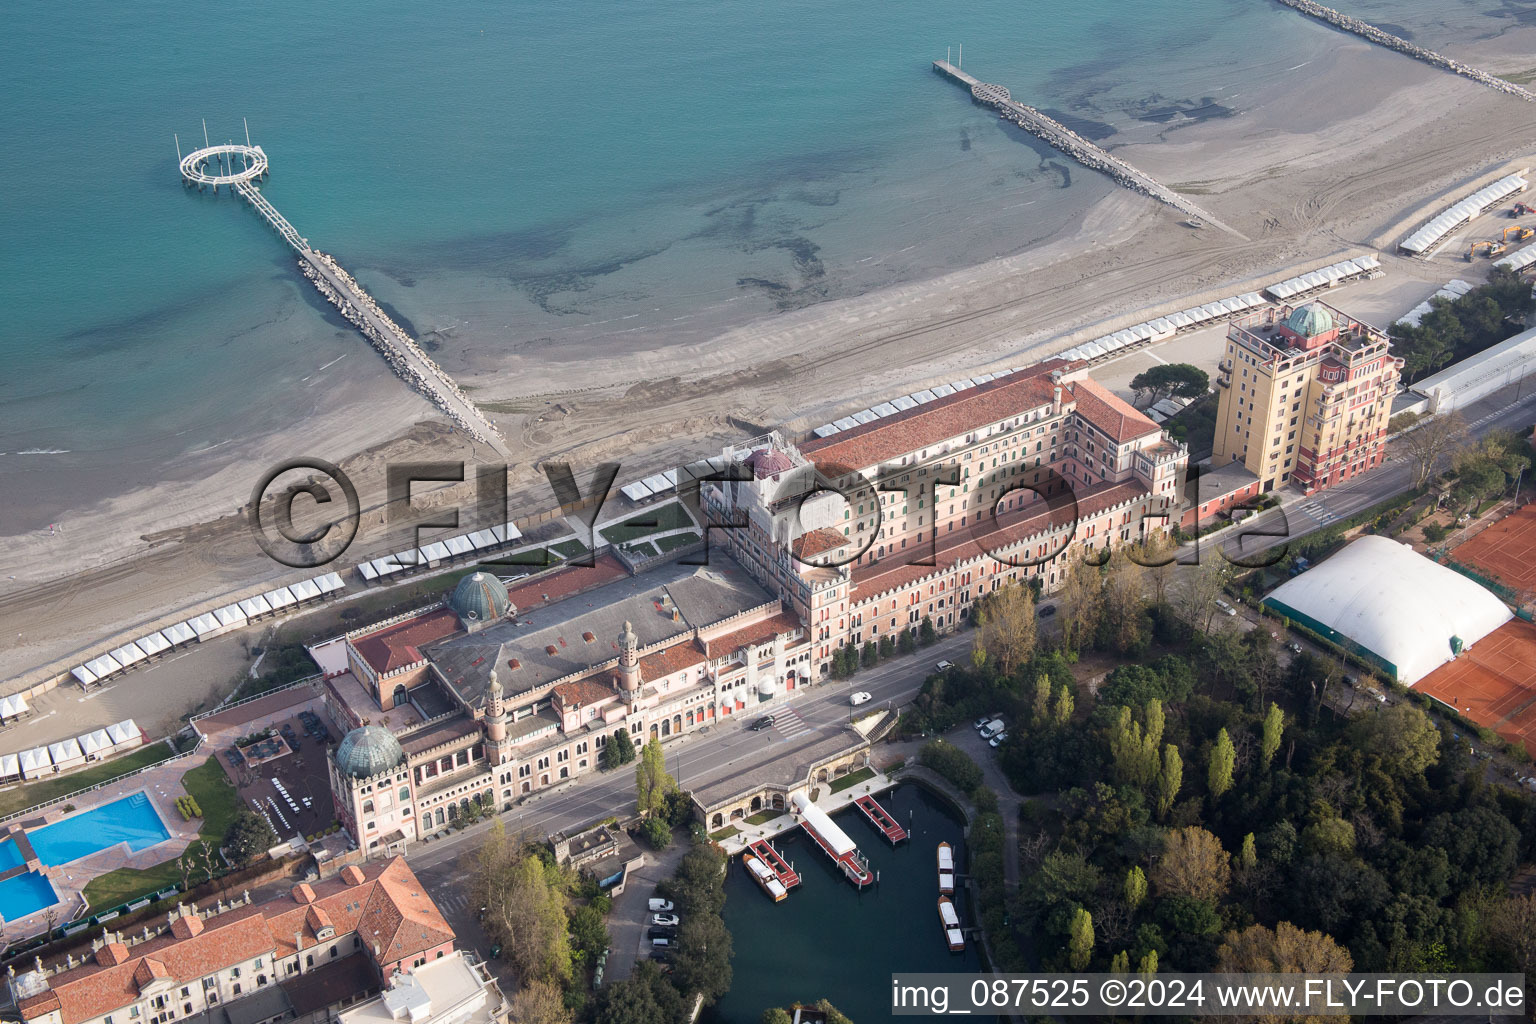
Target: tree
(1135, 888)
(777, 1015)
(871, 655)
(926, 635)
(1148, 965)
(1080, 600)
(1201, 589)
(1007, 627)
(1169, 780)
(887, 646)
(1401, 735)
(1223, 760)
(657, 832)
(1171, 380)
(1120, 963)
(698, 885)
(702, 962)
(1274, 729)
(1192, 864)
(907, 643)
(1062, 710)
(952, 763)
(652, 782)
(645, 997)
(1430, 442)
(1248, 856)
(247, 836)
(524, 910)
(1042, 703)
(833, 1014)
(589, 934)
(1122, 618)
(1080, 940)
(1285, 950)
(540, 1003)
(619, 750)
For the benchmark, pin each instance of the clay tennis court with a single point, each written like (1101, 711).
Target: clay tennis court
(1505, 551)
(1494, 682)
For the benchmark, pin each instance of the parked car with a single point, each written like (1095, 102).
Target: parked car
(992, 728)
(1045, 611)
(944, 666)
(766, 722)
(668, 920)
(658, 904)
(998, 740)
(859, 698)
(1224, 608)
(983, 720)
(661, 943)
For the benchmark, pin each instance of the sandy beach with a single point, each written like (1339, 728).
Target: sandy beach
(1344, 157)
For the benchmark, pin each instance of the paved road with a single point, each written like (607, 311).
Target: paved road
(700, 758)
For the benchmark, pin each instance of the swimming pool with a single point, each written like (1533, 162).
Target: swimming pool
(25, 894)
(132, 819)
(10, 856)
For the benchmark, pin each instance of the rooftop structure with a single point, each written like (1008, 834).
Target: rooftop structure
(1408, 614)
(452, 990)
(367, 751)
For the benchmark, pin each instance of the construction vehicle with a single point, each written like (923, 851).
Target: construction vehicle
(1487, 247)
(1521, 209)
(1520, 231)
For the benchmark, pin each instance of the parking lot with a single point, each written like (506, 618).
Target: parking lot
(283, 778)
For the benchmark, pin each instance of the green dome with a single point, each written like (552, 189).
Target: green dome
(479, 598)
(1310, 320)
(368, 751)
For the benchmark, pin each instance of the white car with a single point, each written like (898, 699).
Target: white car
(665, 920)
(859, 698)
(656, 904)
(944, 666)
(998, 740)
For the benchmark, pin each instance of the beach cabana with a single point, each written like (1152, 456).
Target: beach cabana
(883, 410)
(636, 491)
(153, 644)
(96, 745)
(254, 607)
(962, 384)
(84, 675)
(10, 767)
(205, 626)
(846, 423)
(923, 397)
(66, 754)
(127, 655)
(904, 402)
(103, 666)
(35, 763)
(125, 735)
(179, 634)
(13, 707)
(457, 546)
(943, 390)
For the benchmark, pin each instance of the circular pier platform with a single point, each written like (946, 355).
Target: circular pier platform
(223, 165)
(984, 92)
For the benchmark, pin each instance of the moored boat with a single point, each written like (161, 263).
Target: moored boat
(950, 920)
(764, 878)
(946, 868)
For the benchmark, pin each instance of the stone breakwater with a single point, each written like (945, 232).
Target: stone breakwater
(412, 365)
(1370, 32)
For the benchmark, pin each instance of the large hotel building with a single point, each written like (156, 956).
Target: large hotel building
(1305, 396)
(497, 694)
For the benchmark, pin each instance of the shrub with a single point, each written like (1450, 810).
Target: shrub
(952, 763)
(1434, 533)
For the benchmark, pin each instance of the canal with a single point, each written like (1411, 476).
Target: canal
(828, 940)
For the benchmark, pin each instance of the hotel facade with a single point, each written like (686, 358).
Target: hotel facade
(498, 694)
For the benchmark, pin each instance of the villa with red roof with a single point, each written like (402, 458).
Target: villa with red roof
(200, 959)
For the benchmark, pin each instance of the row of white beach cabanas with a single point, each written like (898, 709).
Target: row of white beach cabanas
(206, 626)
(439, 551)
(905, 402)
(654, 486)
(1423, 241)
(1453, 290)
(97, 745)
(1519, 259)
(1164, 327)
(1325, 277)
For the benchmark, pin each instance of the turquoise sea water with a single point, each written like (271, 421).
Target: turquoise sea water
(515, 174)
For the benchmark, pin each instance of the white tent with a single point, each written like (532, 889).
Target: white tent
(35, 763)
(457, 546)
(128, 654)
(205, 625)
(864, 416)
(103, 666)
(10, 767)
(943, 390)
(962, 384)
(904, 402)
(483, 539)
(125, 734)
(883, 410)
(13, 706)
(84, 675)
(96, 745)
(178, 634)
(230, 616)
(153, 644)
(636, 491)
(432, 553)
(66, 754)
(330, 582)
(825, 430)
(923, 397)
(282, 597)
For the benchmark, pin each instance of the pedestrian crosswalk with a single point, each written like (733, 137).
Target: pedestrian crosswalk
(789, 723)
(1318, 512)
(450, 900)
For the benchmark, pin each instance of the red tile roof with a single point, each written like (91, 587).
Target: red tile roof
(1109, 412)
(869, 580)
(662, 663)
(581, 691)
(562, 583)
(748, 636)
(388, 907)
(398, 645)
(816, 542)
(912, 430)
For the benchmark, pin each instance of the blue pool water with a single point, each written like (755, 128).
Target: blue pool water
(25, 894)
(10, 856)
(132, 819)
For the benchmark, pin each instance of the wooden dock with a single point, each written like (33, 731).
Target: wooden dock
(1062, 138)
(775, 862)
(881, 818)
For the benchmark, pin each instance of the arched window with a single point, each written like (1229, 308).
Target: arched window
(400, 696)
(426, 823)
(367, 806)
(405, 793)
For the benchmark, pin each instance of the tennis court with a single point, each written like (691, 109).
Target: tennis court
(1505, 551)
(1494, 682)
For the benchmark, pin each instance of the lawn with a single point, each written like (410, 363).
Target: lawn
(724, 834)
(569, 548)
(643, 549)
(210, 787)
(22, 797)
(671, 516)
(852, 779)
(677, 540)
(762, 817)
